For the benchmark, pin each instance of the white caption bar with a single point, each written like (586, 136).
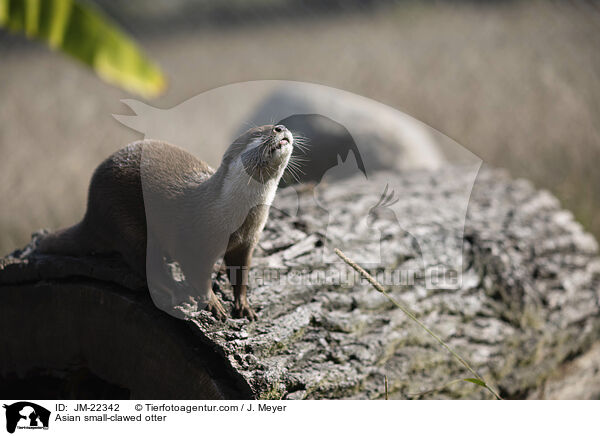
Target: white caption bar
(280, 417)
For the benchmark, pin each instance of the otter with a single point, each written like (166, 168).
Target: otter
(155, 204)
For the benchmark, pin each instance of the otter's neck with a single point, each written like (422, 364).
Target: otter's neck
(236, 192)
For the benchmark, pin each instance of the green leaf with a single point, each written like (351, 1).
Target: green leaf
(476, 381)
(83, 32)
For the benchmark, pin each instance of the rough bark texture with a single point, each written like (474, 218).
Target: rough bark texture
(525, 316)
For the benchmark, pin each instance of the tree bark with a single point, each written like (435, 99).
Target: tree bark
(525, 315)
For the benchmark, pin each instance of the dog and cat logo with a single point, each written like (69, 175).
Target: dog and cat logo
(26, 415)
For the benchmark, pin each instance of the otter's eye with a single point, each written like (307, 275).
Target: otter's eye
(278, 129)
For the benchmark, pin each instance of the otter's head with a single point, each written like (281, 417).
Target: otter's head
(263, 152)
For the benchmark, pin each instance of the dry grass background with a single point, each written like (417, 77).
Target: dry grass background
(517, 83)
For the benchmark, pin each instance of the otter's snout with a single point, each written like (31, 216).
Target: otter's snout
(267, 152)
(282, 136)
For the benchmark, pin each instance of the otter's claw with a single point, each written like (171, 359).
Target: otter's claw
(243, 310)
(216, 308)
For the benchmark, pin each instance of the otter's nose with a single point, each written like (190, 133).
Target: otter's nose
(279, 128)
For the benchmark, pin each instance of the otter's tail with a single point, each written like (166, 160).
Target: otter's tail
(70, 241)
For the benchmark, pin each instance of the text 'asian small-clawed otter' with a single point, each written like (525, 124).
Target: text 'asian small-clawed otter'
(157, 206)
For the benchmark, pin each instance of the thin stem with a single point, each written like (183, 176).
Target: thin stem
(386, 387)
(408, 313)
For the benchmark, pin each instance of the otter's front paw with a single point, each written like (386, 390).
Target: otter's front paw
(216, 308)
(243, 310)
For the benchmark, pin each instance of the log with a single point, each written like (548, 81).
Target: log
(524, 314)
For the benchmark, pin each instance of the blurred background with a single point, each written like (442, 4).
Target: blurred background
(516, 82)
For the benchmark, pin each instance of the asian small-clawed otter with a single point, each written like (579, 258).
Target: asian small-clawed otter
(154, 203)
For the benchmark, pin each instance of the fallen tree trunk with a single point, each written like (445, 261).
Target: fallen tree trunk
(527, 307)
